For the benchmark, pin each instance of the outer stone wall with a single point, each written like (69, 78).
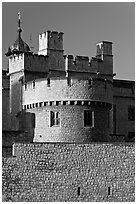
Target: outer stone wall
(70, 172)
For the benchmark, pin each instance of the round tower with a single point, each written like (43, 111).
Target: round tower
(60, 98)
(73, 103)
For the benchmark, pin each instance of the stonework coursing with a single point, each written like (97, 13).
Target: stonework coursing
(58, 172)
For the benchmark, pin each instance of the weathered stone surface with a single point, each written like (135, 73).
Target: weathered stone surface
(70, 172)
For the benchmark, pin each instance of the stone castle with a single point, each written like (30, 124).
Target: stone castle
(58, 98)
(68, 126)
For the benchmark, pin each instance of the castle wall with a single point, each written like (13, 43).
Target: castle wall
(36, 63)
(84, 64)
(59, 89)
(37, 99)
(56, 60)
(10, 137)
(5, 102)
(71, 128)
(15, 97)
(124, 97)
(16, 63)
(123, 126)
(5, 110)
(60, 172)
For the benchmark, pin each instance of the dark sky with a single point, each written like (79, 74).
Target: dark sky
(83, 24)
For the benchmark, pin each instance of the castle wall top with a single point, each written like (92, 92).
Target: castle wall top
(28, 61)
(50, 56)
(104, 48)
(36, 63)
(50, 40)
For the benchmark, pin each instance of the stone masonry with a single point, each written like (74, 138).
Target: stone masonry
(58, 172)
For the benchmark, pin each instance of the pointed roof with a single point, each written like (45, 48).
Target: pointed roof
(19, 46)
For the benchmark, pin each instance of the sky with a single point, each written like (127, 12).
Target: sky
(83, 23)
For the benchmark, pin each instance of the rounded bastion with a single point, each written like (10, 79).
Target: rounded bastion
(71, 100)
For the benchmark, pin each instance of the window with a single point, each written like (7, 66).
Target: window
(69, 81)
(108, 190)
(25, 86)
(131, 113)
(48, 82)
(88, 118)
(90, 82)
(34, 84)
(54, 118)
(78, 190)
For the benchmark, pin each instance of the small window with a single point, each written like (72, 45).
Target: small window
(48, 82)
(34, 84)
(108, 190)
(69, 81)
(54, 118)
(78, 191)
(90, 82)
(88, 118)
(131, 113)
(25, 86)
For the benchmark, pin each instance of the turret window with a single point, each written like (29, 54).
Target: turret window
(54, 118)
(48, 82)
(25, 86)
(34, 84)
(88, 118)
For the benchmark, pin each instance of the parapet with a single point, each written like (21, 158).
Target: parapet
(104, 48)
(53, 34)
(81, 63)
(36, 63)
(29, 62)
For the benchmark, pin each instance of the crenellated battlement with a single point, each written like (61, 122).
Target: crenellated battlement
(28, 61)
(16, 63)
(36, 56)
(49, 41)
(82, 64)
(51, 34)
(85, 64)
(55, 34)
(51, 44)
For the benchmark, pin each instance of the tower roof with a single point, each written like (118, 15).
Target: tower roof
(19, 46)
